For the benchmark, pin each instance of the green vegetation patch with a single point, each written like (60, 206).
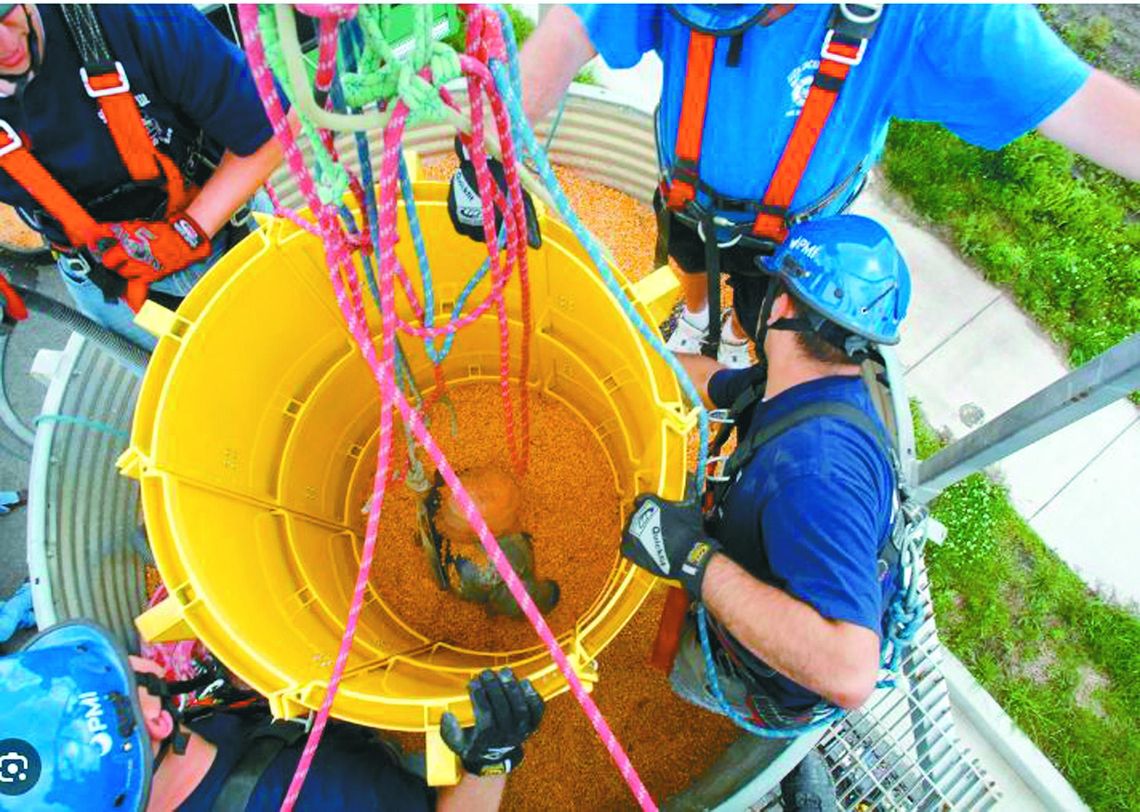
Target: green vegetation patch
(1061, 235)
(1061, 661)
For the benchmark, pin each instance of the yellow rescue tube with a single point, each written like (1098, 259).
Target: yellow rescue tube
(254, 438)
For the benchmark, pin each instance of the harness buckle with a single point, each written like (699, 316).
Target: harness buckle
(720, 221)
(123, 86)
(842, 59)
(77, 264)
(721, 416)
(14, 141)
(710, 465)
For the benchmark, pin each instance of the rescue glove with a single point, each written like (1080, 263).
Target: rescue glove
(144, 251)
(668, 539)
(507, 711)
(465, 207)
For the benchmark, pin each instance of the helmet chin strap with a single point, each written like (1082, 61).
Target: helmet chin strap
(165, 691)
(856, 347)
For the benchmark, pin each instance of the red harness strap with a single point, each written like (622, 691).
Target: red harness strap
(18, 162)
(690, 130)
(14, 308)
(836, 61)
(143, 160)
(839, 54)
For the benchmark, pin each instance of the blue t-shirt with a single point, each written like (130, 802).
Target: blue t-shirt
(989, 73)
(192, 85)
(811, 509)
(345, 773)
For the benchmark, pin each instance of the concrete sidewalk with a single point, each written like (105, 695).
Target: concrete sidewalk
(970, 353)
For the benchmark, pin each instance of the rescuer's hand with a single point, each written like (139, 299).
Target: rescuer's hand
(507, 711)
(669, 539)
(465, 206)
(144, 251)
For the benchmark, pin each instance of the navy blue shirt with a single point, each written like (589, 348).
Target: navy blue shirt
(810, 511)
(345, 773)
(193, 87)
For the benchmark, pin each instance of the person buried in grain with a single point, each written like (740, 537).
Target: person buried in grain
(456, 556)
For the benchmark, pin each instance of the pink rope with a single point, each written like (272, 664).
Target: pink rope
(290, 215)
(326, 52)
(485, 41)
(336, 11)
(351, 305)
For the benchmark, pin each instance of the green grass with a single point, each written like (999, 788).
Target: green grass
(1063, 663)
(1062, 236)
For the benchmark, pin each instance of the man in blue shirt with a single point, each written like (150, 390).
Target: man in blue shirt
(88, 727)
(785, 560)
(989, 73)
(200, 113)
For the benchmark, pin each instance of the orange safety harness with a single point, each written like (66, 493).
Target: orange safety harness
(105, 81)
(849, 30)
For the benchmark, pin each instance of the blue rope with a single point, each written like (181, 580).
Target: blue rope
(87, 423)
(524, 134)
(905, 619)
(741, 721)
(350, 41)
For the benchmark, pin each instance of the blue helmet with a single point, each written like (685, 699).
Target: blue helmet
(849, 272)
(722, 19)
(71, 728)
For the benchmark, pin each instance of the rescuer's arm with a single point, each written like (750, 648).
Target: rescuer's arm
(1102, 122)
(550, 59)
(232, 184)
(507, 712)
(833, 657)
(836, 659)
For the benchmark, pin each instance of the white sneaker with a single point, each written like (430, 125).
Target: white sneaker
(732, 351)
(687, 337)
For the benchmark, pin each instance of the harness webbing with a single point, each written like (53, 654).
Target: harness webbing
(106, 82)
(266, 744)
(843, 48)
(690, 131)
(748, 449)
(22, 166)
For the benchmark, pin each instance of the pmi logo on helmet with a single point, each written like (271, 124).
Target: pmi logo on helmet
(805, 247)
(93, 715)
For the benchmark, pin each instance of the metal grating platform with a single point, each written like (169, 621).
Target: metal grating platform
(901, 750)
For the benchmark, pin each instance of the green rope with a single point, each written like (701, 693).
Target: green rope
(381, 76)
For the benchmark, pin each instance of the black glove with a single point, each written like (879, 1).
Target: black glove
(507, 711)
(669, 539)
(466, 208)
